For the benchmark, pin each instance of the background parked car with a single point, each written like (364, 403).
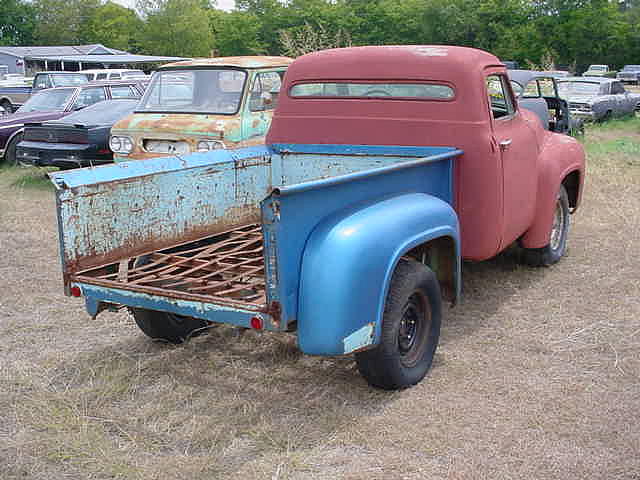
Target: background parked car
(597, 98)
(78, 140)
(629, 73)
(538, 92)
(598, 71)
(55, 103)
(114, 74)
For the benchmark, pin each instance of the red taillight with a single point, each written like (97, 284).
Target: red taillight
(256, 323)
(75, 291)
(104, 151)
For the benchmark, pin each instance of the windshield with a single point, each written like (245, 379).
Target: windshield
(598, 68)
(48, 101)
(578, 88)
(631, 68)
(67, 80)
(217, 91)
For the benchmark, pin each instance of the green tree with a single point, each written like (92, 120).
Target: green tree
(114, 26)
(237, 33)
(62, 22)
(176, 27)
(17, 23)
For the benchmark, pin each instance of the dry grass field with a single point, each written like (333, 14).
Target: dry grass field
(537, 375)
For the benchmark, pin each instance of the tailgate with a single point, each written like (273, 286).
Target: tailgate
(114, 213)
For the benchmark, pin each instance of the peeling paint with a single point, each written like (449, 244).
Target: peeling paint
(359, 339)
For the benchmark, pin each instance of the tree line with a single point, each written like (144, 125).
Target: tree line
(568, 33)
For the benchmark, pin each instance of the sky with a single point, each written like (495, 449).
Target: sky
(222, 4)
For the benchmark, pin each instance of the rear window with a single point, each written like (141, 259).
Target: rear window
(418, 91)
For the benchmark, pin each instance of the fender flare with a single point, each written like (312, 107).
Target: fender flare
(348, 262)
(553, 172)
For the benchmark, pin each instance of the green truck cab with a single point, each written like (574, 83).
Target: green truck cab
(200, 105)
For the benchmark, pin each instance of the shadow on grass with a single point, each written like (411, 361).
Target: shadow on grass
(27, 177)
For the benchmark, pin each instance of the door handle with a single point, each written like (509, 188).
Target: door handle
(504, 144)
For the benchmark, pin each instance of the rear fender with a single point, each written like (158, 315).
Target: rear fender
(561, 162)
(348, 262)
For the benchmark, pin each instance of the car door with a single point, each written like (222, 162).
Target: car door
(263, 97)
(514, 140)
(625, 101)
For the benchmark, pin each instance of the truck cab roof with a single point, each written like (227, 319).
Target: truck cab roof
(234, 62)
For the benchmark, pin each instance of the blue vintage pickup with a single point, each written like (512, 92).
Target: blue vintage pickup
(348, 241)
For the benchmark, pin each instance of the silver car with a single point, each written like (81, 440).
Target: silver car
(597, 98)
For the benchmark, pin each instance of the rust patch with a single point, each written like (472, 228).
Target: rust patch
(275, 311)
(237, 62)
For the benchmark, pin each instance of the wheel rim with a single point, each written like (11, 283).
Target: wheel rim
(558, 227)
(414, 327)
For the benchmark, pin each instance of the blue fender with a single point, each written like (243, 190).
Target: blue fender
(347, 266)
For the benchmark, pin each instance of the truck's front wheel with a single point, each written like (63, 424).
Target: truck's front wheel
(167, 326)
(410, 329)
(557, 246)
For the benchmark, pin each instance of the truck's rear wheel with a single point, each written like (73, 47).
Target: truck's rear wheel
(167, 326)
(557, 246)
(410, 330)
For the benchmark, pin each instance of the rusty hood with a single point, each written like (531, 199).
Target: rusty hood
(174, 125)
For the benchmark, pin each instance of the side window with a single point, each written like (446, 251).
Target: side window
(500, 100)
(265, 91)
(115, 76)
(101, 76)
(617, 88)
(531, 90)
(547, 88)
(42, 81)
(123, 91)
(89, 96)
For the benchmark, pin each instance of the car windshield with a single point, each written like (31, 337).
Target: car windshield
(631, 68)
(598, 68)
(578, 88)
(67, 80)
(106, 112)
(217, 91)
(48, 101)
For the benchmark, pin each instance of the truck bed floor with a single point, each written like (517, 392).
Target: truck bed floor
(228, 266)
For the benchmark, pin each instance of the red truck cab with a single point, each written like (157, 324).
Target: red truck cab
(507, 183)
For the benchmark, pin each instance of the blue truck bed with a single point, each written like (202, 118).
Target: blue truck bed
(225, 235)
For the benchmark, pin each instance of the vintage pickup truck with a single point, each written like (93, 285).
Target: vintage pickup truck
(384, 167)
(200, 105)
(12, 98)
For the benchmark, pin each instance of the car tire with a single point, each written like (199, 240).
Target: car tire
(168, 327)
(10, 158)
(410, 330)
(557, 246)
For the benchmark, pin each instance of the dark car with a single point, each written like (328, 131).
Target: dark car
(630, 73)
(77, 140)
(56, 103)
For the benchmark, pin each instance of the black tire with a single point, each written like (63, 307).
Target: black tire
(557, 246)
(410, 330)
(607, 116)
(10, 152)
(168, 327)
